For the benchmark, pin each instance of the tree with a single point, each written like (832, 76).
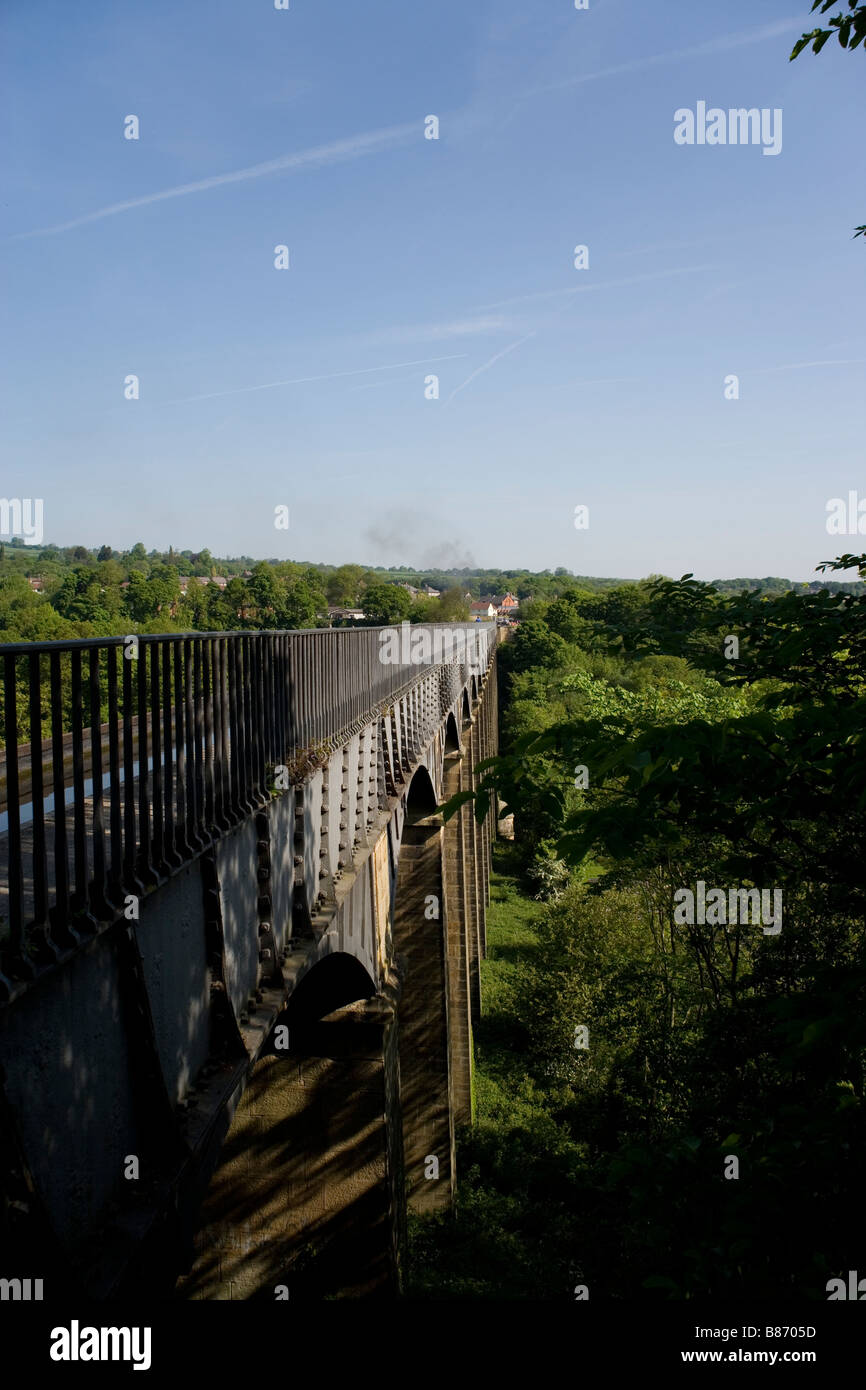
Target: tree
(344, 585)
(453, 607)
(83, 599)
(709, 1037)
(850, 29)
(563, 617)
(302, 605)
(268, 595)
(387, 603)
(424, 610)
(194, 610)
(534, 645)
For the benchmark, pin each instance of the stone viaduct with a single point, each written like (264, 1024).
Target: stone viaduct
(239, 955)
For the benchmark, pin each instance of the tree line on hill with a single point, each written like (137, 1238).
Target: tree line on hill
(80, 592)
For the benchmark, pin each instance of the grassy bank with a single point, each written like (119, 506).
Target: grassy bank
(509, 1236)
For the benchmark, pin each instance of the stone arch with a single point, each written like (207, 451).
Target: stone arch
(466, 709)
(419, 946)
(331, 983)
(307, 1190)
(452, 735)
(421, 799)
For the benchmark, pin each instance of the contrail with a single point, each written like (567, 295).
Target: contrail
(484, 367)
(321, 155)
(302, 380)
(566, 296)
(698, 50)
(597, 285)
(795, 366)
(357, 146)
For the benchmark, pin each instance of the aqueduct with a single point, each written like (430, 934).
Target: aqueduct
(240, 956)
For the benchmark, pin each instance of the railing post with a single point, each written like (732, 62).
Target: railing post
(80, 897)
(40, 856)
(17, 960)
(99, 904)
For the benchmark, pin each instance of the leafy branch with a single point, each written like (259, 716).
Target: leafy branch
(850, 28)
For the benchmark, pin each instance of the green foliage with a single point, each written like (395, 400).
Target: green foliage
(344, 585)
(850, 29)
(103, 592)
(387, 603)
(705, 1041)
(547, 873)
(534, 645)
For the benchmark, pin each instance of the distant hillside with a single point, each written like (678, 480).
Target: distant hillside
(55, 562)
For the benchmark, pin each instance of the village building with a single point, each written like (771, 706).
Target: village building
(187, 579)
(337, 614)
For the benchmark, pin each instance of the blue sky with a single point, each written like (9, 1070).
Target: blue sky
(557, 387)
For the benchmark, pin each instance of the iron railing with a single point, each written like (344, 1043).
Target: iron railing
(125, 757)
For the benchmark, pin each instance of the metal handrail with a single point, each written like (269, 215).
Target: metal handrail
(131, 754)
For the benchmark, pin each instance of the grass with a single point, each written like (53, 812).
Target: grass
(511, 942)
(496, 1244)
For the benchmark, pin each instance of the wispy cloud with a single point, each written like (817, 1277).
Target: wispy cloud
(648, 249)
(487, 365)
(596, 285)
(797, 366)
(389, 381)
(566, 296)
(302, 380)
(320, 156)
(592, 381)
(436, 332)
(720, 44)
(371, 142)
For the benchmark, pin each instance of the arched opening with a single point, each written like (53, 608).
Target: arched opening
(421, 796)
(303, 1203)
(467, 711)
(337, 980)
(419, 948)
(452, 738)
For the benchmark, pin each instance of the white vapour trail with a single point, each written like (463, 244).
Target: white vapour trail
(485, 366)
(825, 362)
(596, 285)
(326, 376)
(339, 151)
(698, 50)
